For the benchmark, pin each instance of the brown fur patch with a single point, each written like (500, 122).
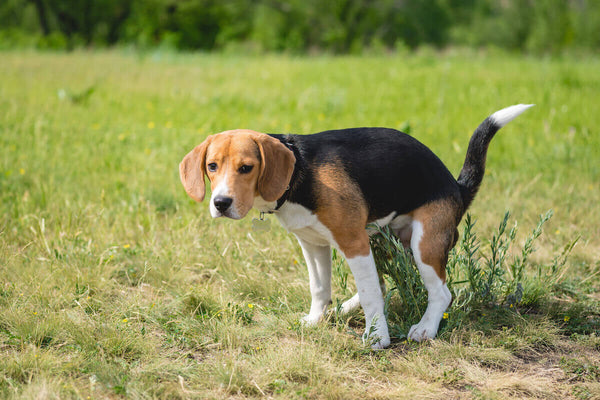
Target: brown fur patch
(342, 209)
(439, 220)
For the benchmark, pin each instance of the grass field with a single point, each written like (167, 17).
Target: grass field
(114, 284)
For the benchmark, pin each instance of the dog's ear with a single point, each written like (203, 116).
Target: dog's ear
(277, 166)
(192, 170)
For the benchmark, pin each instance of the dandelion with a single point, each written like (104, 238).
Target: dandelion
(35, 313)
(125, 320)
(22, 171)
(567, 318)
(250, 306)
(445, 315)
(151, 125)
(511, 306)
(126, 246)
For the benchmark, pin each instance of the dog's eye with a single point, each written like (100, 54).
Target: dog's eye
(244, 169)
(212, 167)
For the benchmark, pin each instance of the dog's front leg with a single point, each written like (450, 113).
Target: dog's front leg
(318, 261)
(371, 299)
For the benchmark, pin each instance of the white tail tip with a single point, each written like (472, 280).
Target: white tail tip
(507, 114)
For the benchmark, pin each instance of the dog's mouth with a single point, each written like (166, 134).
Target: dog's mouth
(227, 214)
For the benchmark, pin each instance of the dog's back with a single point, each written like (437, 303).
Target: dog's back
(394, 171)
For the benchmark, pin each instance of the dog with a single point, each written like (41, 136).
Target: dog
(326, 187)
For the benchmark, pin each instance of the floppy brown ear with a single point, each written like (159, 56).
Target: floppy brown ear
(276, 167)
(192, 169)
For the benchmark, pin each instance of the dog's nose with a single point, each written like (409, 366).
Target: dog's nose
(222, 203)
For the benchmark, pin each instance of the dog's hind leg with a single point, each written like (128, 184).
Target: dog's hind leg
(318, 261)
(432, 238)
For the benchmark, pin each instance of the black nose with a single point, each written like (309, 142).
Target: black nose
(222, 203)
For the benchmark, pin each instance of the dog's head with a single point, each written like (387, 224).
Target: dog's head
(241, 165)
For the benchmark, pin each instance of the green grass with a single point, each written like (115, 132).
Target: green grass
(113, 283)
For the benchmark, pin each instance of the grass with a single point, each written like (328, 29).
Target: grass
(114, 284)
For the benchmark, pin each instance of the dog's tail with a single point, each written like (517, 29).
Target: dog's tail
(474, 167)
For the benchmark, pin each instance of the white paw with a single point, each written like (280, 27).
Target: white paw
(422, 331)
(350, 305)
(379, 343)
(377, 336)
(311, 319)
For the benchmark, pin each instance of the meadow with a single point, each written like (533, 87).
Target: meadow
(115, 284)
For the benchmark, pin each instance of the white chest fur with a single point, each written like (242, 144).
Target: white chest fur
(298, 220)
(303, 223)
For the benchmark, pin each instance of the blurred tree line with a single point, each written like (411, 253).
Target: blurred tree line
(338, 26)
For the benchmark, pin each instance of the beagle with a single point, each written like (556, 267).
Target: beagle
(326, 187)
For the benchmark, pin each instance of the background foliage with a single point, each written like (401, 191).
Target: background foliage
(338, 26)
